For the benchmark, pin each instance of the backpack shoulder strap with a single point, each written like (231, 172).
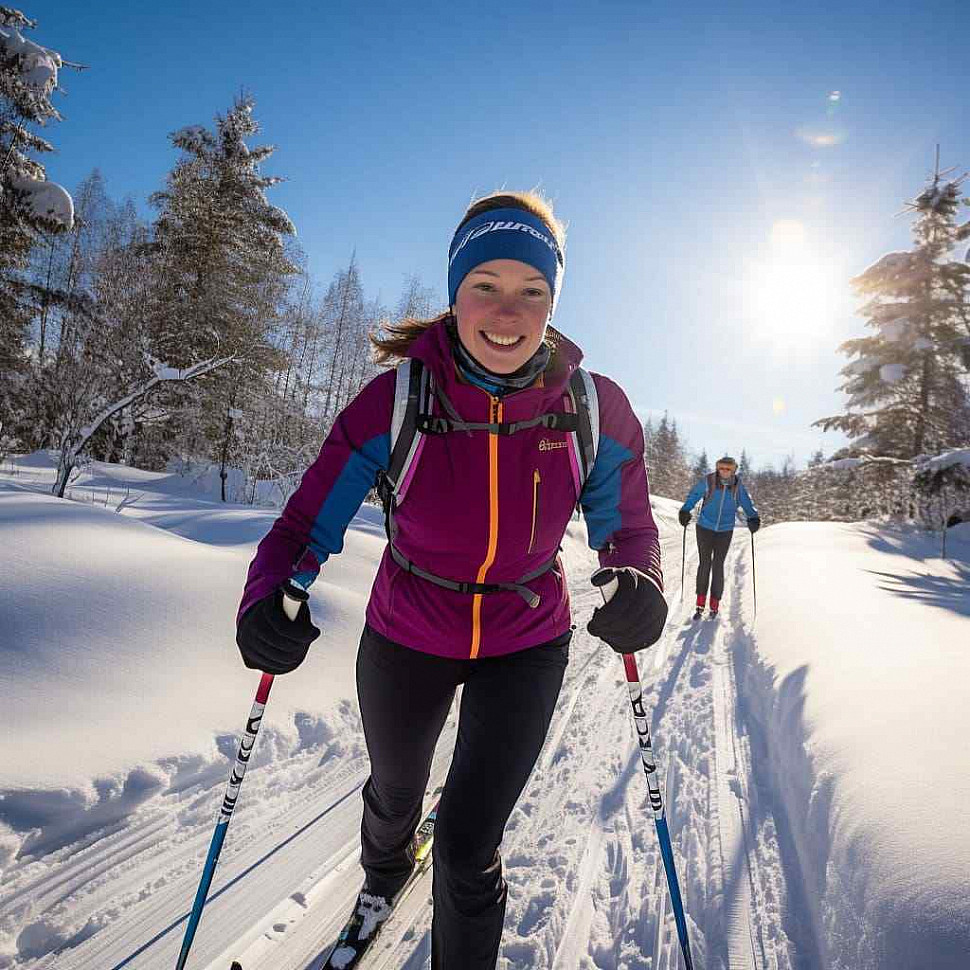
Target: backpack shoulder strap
(413, 395)
(710, 487)
(586, 437)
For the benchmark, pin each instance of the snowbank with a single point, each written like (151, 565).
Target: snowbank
(856, 674)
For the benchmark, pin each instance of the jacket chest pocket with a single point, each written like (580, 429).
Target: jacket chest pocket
(536, 497)
(548, 493)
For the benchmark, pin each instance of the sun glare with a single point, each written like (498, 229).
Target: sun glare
(789, 294)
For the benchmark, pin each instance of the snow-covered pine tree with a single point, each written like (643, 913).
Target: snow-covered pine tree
(701, 466)
(220, 273)
(417, 301)
(667, 461)
(91, 352)
(362, 366)
(270, 440)
(905, 384)
(811, 490)
(29, 204)
(942, 489)
(649, 438)
(744, 464)
(344, 322)
(786, 504)
(70, 353)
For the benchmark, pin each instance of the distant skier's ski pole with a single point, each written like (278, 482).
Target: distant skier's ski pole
(291, 605)
(653, 785)
(754, 584)
(683, 565)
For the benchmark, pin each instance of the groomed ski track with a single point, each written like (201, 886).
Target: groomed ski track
(587, 888)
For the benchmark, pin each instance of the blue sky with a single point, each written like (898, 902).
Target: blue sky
(724, 172)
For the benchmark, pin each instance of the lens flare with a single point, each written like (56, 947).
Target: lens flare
(821, 137)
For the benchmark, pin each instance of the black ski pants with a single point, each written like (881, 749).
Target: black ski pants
(506, 706)
(713, 548)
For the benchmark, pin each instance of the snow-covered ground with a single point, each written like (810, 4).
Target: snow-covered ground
(811, 757)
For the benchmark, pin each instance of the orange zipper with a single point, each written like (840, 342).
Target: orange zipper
(495, 417)
(536, 480)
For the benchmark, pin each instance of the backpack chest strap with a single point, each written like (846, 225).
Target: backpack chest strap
(437, 424)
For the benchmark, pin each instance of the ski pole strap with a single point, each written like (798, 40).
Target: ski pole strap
(531, 598)
(554, 421)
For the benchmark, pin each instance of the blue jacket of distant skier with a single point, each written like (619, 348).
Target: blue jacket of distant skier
(720, 509)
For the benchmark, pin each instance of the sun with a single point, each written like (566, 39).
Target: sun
(790, 294)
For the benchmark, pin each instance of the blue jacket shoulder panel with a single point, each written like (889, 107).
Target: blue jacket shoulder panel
(695, 494)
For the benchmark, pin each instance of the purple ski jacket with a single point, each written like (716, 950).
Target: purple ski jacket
(481, 507)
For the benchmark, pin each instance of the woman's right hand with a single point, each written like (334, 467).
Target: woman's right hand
(269, 640)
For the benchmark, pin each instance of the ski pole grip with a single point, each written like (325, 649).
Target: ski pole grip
(609, 589)
(294, 597)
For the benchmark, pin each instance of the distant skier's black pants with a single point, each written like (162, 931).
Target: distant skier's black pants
(713, 548)
(506, 706)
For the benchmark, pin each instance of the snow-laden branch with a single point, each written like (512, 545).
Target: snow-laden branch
(163, 373)
(37, 66)
(73, 444)
(47, 200)
(841, 464)
(922, 463)
(949, 459)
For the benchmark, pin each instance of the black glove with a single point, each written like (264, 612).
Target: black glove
(684, 517)
(634, 618)
(754, 523)
(269, 640)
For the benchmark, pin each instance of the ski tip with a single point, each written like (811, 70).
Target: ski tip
(236, 965)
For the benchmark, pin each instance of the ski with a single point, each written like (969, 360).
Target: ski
(348, 950)
(352, 944)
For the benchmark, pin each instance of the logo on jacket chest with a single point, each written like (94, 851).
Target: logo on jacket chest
(549, 444)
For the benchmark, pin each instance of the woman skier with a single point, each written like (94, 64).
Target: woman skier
(470, 590)
(722, 492)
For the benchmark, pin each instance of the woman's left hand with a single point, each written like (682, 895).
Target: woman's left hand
(635, 616)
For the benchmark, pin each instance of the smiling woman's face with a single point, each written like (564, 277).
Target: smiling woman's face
(502, 308)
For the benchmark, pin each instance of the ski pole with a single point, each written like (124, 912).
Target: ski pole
(754, 584)
(293, 597)
(683, 564)
(653, 785)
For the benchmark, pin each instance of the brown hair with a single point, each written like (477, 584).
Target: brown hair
(394, 339)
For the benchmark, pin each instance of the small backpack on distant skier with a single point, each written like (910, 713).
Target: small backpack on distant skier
(712, 485)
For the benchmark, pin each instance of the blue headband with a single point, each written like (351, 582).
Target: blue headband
(505, 234)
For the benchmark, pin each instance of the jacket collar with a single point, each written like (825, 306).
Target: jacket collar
(433, 349)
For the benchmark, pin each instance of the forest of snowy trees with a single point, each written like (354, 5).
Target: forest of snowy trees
(198, 339)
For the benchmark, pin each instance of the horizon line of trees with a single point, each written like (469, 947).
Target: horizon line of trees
(200, 335)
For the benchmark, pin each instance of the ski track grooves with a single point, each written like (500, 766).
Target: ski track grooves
(736, 840)
(586, 882)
